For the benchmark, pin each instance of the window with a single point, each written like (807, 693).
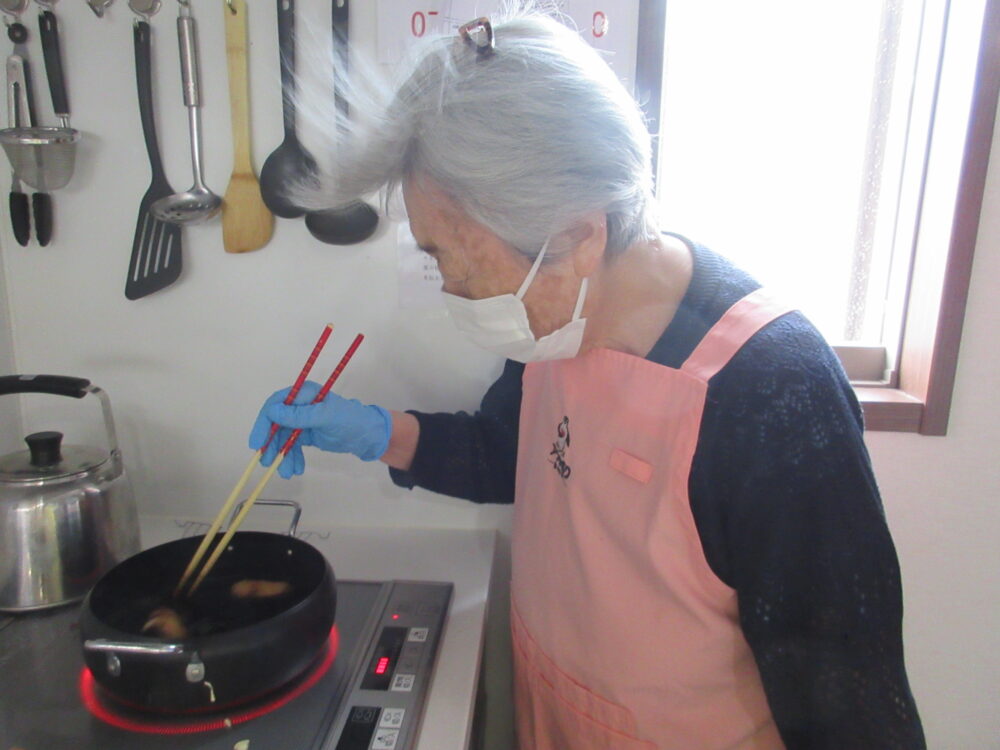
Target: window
(840, 156)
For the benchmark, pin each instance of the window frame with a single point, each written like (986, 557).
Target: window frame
(919, 399)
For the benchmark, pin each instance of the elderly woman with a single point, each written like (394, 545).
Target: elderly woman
(700, 555)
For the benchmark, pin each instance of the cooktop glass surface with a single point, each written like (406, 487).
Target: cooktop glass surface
(41, 707)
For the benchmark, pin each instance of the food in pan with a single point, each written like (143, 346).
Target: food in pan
(166, 623)
(250, 588)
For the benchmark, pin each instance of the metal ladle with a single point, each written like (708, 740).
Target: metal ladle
(199, 203)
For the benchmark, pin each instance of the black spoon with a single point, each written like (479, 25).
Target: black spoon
(357, 221)
(289, 164)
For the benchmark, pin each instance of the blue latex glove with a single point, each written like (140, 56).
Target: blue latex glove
(336, 424)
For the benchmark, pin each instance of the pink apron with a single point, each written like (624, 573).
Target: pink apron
(623, 636)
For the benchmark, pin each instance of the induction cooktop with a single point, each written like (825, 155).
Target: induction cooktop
(365, 692)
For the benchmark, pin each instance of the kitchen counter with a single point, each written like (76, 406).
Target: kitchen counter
(463, 557)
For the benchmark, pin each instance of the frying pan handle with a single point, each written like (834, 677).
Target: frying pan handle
(102, 644)
(296, 512)
(64, 385)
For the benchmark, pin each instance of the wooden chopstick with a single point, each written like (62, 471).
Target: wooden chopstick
(223, 543)
(231, 500)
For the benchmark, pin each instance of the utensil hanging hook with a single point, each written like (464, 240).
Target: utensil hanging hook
(47, 4)
(13, 7)
(232, 8)
(99, 6)
(145, 9)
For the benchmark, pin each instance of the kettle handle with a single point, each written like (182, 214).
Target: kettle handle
(57, 385)
(63, 385)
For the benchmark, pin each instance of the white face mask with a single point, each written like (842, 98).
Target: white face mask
(500, 324)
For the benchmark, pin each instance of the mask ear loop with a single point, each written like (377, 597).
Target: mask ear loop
(534, 270)
(580, 298)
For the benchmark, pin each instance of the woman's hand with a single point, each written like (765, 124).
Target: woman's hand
(335, 424)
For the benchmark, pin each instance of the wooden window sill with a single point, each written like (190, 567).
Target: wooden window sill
(890, 409)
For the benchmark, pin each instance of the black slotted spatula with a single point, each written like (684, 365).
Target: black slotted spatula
(156, 247)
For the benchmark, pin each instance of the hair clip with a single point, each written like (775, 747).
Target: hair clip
(482, 42)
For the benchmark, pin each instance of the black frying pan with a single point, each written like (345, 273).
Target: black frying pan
(236, 650)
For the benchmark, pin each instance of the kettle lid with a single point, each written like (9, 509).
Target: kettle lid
(48, 458)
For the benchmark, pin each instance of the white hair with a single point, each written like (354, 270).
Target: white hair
(527, 140)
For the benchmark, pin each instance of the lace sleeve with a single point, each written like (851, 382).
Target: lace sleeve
(471, 456)
(790, 517)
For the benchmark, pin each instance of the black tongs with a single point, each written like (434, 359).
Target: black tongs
(21, 113)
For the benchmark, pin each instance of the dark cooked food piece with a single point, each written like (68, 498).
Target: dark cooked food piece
(165, 623)
(249, 588)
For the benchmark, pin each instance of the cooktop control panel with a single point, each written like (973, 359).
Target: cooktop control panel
(382, 708)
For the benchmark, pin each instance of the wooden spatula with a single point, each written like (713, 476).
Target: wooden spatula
(247, 224)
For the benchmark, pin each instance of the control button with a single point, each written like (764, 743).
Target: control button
(385, 739)
(403, 683)
(418, 635)
(409, 663)
(412, 649)
(360, 727)
(429, 608)
(392, 718)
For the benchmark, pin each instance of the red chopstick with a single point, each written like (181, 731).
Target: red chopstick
(248, 503)
(303, 374)
(231, 500)
(325, 389)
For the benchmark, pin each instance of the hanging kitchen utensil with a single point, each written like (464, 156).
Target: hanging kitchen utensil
(48, 29)
(23, 113)
(67, 514)
(357, 221)
(17, 101)
(199, 203)
(290, 164)
(156, 259)
(247, 224)
(44, 157)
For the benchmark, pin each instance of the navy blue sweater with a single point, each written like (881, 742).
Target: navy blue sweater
(787, 509)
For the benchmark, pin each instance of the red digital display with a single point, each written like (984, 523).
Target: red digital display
(382, 665)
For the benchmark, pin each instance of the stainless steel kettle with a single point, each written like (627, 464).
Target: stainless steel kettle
(67, 513)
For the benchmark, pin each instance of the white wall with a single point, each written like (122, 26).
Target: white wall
(942, 498)
(187, 368)
(10, 417)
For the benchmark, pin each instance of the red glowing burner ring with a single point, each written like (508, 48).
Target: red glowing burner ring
(88, 693)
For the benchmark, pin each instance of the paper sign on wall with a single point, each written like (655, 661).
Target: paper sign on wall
(416, 272)
(609, 26)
